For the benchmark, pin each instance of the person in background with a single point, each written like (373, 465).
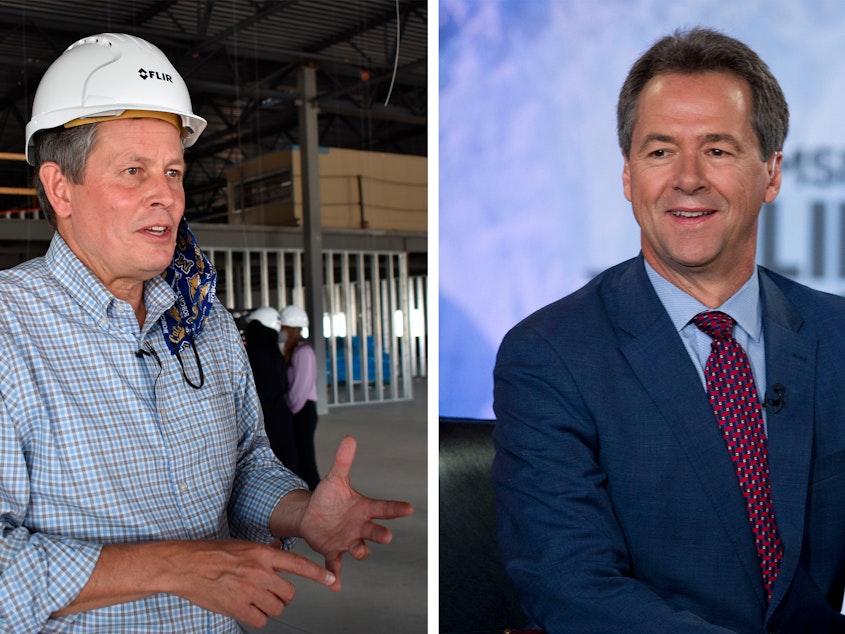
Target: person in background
(302, 389)
(270, 371)
(138, 492)
(670, 439)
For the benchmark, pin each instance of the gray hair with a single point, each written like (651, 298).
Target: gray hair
(67, 147)
(698, 51)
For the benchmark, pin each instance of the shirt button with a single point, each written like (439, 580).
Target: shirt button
(183, 487)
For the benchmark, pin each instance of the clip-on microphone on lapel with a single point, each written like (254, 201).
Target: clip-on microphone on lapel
(776, 404)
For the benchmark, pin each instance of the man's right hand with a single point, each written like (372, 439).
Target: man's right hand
(240, 579)
(236, 578)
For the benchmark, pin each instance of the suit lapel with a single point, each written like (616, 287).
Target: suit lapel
(791, 362)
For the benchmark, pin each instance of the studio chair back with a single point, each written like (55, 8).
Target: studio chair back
(476, 596)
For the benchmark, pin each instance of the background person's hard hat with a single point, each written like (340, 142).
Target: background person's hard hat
(294, 316)
(107, 75)
(268, 317)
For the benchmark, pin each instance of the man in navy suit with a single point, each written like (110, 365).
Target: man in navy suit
(620, 508)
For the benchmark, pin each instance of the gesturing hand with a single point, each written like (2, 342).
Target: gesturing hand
(237, 578)
(338, 519)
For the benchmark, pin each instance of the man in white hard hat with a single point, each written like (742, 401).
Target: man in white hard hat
(270, 372)
(138, 491)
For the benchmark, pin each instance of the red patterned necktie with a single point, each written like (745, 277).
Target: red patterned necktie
(733, 396)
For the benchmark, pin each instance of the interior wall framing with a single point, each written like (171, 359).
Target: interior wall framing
(374, 305)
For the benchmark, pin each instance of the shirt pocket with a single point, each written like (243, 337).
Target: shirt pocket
(217, 435)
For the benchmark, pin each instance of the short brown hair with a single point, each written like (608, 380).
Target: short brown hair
(702, 50)
(69, 149)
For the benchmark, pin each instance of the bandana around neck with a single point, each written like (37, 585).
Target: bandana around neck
(193, 277)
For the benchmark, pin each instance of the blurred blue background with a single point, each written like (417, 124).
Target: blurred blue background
(531, 203)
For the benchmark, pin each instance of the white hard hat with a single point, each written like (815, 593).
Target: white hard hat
(268, 316)
(294, 316)
(107, 75)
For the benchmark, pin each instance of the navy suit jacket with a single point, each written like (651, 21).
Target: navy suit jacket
(619, 508)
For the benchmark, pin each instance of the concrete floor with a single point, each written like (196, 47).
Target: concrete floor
(387, 592)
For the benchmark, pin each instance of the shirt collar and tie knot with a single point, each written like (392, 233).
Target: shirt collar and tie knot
(716, 324)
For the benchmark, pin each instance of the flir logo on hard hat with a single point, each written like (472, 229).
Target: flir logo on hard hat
(154, 74)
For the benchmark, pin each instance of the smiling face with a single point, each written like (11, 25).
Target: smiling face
(696, 181)
(121, 220)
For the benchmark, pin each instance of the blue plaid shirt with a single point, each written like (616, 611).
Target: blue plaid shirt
(99, 445)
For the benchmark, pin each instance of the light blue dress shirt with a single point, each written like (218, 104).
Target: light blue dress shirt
(101, 446)
(744, 306)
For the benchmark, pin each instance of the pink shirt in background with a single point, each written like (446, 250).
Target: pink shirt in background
(302, 377)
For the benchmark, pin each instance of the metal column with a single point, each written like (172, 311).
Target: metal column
(312, 223)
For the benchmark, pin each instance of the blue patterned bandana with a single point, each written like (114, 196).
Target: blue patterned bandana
(193, 277)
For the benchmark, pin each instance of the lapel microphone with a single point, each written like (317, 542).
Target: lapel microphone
(776, 404)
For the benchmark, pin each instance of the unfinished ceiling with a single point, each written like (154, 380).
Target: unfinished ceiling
(240, 60)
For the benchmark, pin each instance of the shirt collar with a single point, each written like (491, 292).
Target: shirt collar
(90, 293)
(743, 306)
